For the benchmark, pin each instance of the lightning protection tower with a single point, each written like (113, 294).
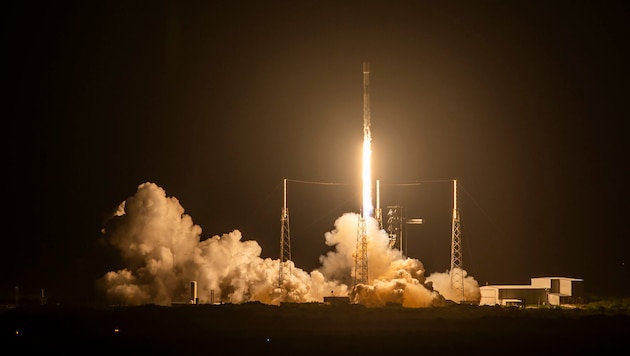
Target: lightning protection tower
(457, 266)
(285, 238)
(360, 257)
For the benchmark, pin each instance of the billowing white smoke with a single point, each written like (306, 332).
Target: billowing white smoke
(393, 279)
(442, 283)
(163, 251)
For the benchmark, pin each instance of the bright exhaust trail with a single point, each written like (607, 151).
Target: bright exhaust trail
(367, 143)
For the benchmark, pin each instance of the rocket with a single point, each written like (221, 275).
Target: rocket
(366, 101)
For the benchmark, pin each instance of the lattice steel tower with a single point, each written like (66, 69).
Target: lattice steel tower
(360, 256)
(285, 238)
(457, 265)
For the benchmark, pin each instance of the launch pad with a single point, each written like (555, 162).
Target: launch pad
(396, 220)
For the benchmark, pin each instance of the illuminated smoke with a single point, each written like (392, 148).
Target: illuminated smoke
(163, 251)
(442, 283)
(394, 279)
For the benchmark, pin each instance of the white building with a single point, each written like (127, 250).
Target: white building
(541, 291)
(562, 290)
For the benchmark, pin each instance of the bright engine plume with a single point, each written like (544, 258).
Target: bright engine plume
(367, 142)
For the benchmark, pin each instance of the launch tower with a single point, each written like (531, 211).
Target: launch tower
(394, 225)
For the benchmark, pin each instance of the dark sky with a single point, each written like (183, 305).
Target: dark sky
(523, 102)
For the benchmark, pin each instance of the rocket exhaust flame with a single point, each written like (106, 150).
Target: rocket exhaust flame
(367, 143)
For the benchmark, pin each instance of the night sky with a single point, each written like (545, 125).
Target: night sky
(216, 102)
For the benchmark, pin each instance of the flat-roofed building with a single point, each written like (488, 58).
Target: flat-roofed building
(562, 290)
(541, 291)
(506, 295)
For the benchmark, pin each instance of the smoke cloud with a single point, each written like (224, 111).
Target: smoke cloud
(162, 250)
(442, 283)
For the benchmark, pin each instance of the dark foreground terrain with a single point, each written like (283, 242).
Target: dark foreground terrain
(311, 329)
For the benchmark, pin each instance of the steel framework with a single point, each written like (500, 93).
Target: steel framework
(394, 225)
(457, 265)
(285, 239)
(360, 257)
